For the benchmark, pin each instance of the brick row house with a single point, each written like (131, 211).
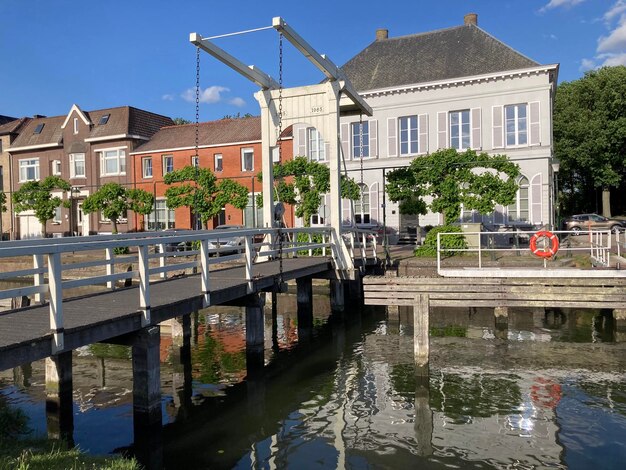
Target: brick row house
(9, 130)
(231, 148)
(87, 149)
(452, 88)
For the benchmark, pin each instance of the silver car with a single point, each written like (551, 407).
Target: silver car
(228, 243)
(585, 222)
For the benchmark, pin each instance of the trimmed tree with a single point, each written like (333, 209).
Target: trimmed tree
(308, 181)
(199, 189)
(37, 196)
(114, 201)
(590, 137)
(451, 180)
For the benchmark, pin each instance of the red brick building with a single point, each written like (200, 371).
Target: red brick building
(231, 148)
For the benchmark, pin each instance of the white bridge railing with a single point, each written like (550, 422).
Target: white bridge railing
(486, 247)
(50, 276)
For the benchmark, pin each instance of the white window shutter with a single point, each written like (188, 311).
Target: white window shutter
(346, 212)
(535, 199)
(392, 137)
(373, 128)
(498, 130)
(477, 142)
(535, 125)
(301, 142)
(442, 130)
(345, 140)
(374, 205)
(423, 133)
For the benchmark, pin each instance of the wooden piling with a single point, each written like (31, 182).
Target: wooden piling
(255, 333)
(337, 296)
(421, 345)
(59, 406)
(305, 308)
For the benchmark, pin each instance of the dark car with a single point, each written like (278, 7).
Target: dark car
(585, 222)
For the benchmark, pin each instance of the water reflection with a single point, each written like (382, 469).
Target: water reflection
(548, 391)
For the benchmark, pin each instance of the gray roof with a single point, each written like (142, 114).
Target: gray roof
(445, 54)
(5, 119)
(13, 127)
(124, 120)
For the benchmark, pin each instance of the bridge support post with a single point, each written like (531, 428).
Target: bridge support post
(59, 412)
(421, 345)
(147, 417)
(337, 296)
(423, 415)
(305, 308)
(255, 333)
(619, 315)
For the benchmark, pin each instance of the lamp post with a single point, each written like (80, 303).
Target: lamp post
(555, 171)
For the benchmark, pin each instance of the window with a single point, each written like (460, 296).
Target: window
(56, 167)
(253, 214)
(168, 164)
(361, 134)
(408, 135)
(217, 159)
(316, 146)
(77, 165)
(275, 155)
(104, 119)
(29, 170)
(113, 162)
(162, 218)
(146, 167)
(322, 212)
(460, 129)
(39, 128)
(362, 206)
(519, 211)
(515, 120)
(195, 161)
(56, 218)
(247, 160)
(75, 125)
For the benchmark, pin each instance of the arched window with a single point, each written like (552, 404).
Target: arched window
(519, 211)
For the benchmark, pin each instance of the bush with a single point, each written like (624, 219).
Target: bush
(455, 240)
(315, 238)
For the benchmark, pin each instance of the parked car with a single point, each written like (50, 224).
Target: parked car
(227, 241)
(584, 222)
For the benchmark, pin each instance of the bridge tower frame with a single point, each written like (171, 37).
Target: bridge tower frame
(320, 105)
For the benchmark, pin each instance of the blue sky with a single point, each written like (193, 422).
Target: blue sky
(55, 53)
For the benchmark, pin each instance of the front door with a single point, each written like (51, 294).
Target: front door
(82, 220)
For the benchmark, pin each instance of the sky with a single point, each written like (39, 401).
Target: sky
(56, 53)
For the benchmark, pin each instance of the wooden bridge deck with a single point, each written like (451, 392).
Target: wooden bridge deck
(25, 334)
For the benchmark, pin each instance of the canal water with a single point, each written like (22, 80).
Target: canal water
(548, 392)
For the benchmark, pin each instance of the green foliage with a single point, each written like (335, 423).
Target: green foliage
(13, 422)
(180, 121)
(456, 240)
(454, 331)
(309, 180)
(237, 116)
(315, 238)
(114, 201)
(37, 196)
(3, 202)
(590, 135)
(199, 189)
(451, 179)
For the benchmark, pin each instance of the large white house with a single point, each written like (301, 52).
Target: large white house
(452, 88)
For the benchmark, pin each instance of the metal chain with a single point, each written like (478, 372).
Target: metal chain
(280, 147)
(197, 132)
(361, 158)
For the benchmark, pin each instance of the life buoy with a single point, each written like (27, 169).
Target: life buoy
(546, 252)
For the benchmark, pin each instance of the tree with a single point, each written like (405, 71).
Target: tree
(590, 136)
(237, 116)
(452, 179)
(203, 192)
(3, 209)
(180, 121)
(309, 180)
(114, 201)
(37, 196)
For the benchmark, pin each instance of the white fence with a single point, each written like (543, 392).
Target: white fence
(195, 250)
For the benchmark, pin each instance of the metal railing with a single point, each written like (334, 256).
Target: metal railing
(597, 245)
(195, 250)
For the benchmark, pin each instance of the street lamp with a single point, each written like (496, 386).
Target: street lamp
(555, 171)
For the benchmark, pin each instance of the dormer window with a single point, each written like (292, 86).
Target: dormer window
(104, 119)
(38, 129)
(75, 125)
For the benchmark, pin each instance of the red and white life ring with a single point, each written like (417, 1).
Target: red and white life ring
(545, 252)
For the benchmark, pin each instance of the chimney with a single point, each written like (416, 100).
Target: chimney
(382, 34)
(38, 116)
(471, 19)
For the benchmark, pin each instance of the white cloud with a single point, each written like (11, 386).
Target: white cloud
(611, 60)
(560, 3)
(209, 95)
(167, 97)
(587, 64)
(239, 102)
(615, 10)
(616, 40)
